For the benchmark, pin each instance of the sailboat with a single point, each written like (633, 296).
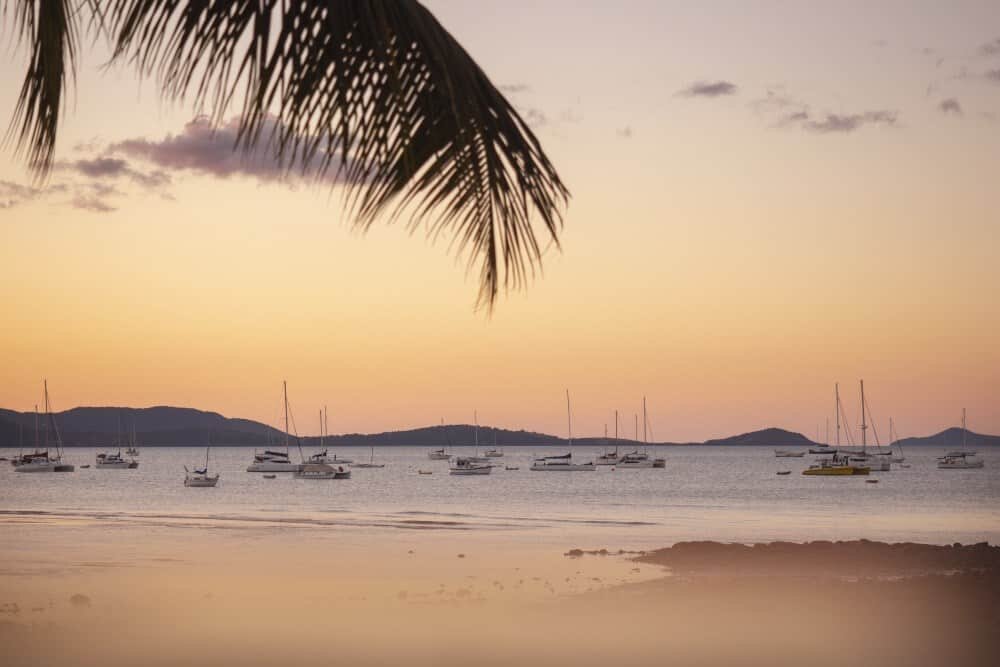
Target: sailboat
(371, 462)
(878, 461)
(961, 459)
(199, 477)
(563, 462)
(273, 461)
(607, 458)
(634, 459)
(133, 445)
(894, 440)
(494, 453)
(439, 454)
(323, 456)
(838, 464)
(115, 460)
(476, 458)
(45, 461)
(21, 457)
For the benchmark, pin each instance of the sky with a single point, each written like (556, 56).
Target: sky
(767, 199)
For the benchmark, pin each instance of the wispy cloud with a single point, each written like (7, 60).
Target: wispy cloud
(843, 123)
(950, 106)
(93, 204)
(202, 148)
(112, 167)
(708, 89)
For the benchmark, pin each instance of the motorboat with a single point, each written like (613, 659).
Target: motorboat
(322, 471)
(493, 454)
(115, 461)
(788, 454)
(438, 455)
(467, 465)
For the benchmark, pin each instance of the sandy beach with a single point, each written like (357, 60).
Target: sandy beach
(84, 592)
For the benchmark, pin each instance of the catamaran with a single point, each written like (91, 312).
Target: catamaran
(199, 477)
(46, 461)
(961, 459)
(273, 461)
(563, 462)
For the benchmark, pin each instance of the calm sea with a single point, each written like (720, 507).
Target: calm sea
(719, 493)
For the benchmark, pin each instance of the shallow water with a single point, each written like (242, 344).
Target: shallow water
(719, 493)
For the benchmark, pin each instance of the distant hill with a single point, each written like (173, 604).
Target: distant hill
(951, 438)
(164, 425)
(776, 437)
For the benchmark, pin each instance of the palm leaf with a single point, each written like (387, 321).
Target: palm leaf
(49, 28)
(374, 92)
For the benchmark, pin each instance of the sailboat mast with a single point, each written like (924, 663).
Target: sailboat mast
(569, 422)
(284, 392)
(36, 427)
(645, 420)
(836, 391)
(475, 418)
(321, 429)
(963, 428)
(864, 423)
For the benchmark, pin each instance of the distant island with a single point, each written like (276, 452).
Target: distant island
(171, 426)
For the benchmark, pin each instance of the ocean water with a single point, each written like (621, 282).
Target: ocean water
(717, 493)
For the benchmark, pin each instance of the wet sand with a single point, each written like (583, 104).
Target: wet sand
(79, 592)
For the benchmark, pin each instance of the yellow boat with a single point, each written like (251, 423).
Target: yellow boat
(836, 470)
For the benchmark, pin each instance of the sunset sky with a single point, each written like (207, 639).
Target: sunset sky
(767, 198)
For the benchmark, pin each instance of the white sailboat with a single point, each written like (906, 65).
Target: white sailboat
(46, 461)
(273, 461)
(476, 458)
(323, 456)
(199, 477)
(563, 462)
(371, 462)
(439, 454)
(115, 460)
(961, 459)
(634, 460)
(607, 458)
(494, 453)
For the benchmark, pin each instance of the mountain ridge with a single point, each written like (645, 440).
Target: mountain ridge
(174, 426)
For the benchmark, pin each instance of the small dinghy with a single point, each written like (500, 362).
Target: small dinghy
(511, 468)
(85, 465)
(270, 476)
(425, 472)
(783, 472)
(871, 481)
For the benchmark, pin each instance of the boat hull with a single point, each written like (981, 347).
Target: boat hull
(203, 482)
(837, 471)
(478, 470)
(273, 466)
(564, 467)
